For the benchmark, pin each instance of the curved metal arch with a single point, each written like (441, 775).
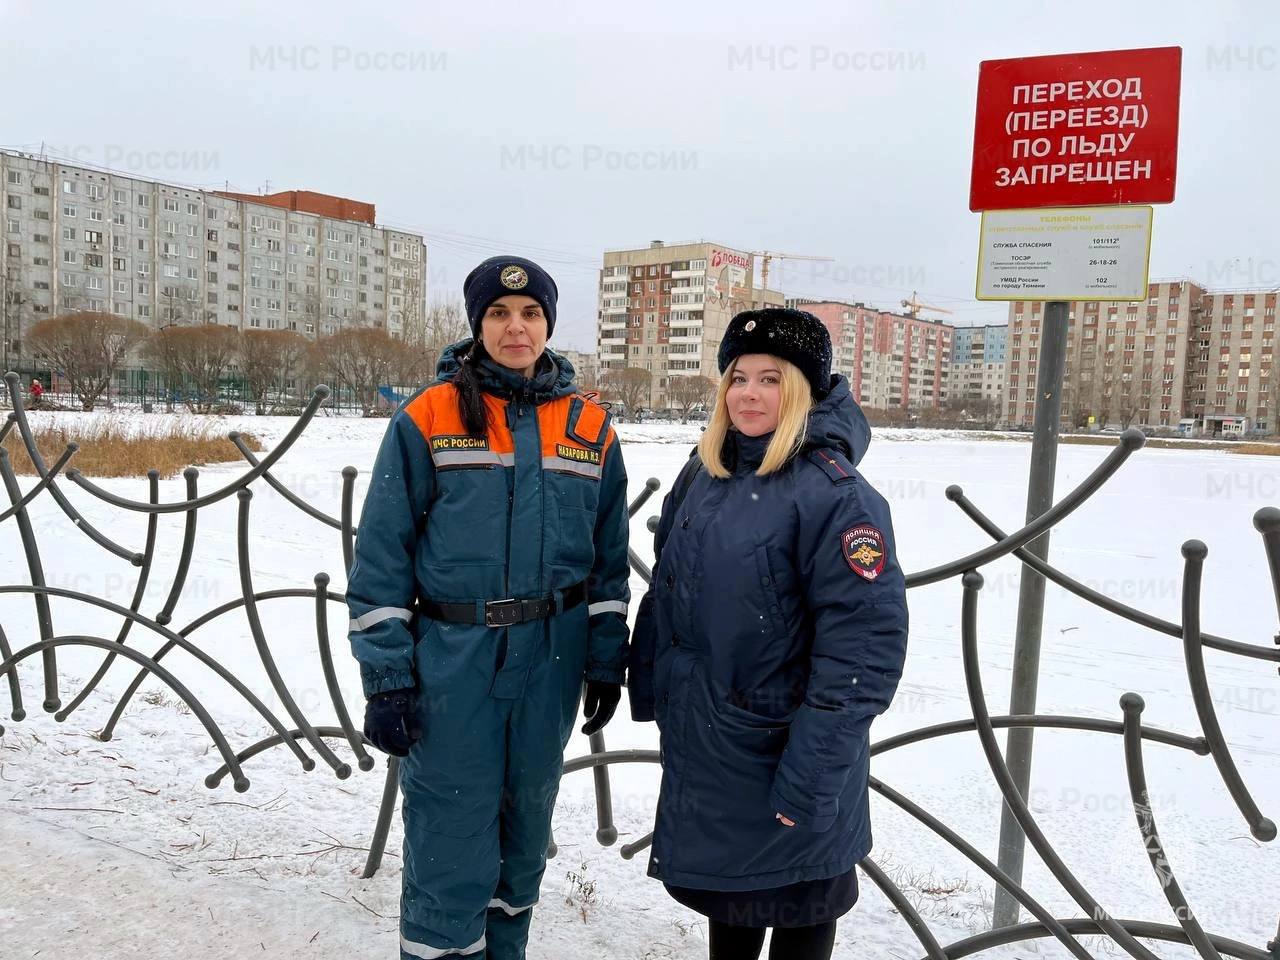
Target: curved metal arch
(144, 574)
(1196, 745)
(1130, 441)
(317, 398)
(972, 582)
(42, 484)
(241, 782)
(265, 655)
(190, 628)
(266, 743)
(18, 417)
(192, 476)
(1132, 706)
(893, 893)
(221, 671)
(956, 495)
(276, 485)
(1194, 552)
(1022, 932)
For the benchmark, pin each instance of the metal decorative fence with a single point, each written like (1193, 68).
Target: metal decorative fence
(296, 731)
(151, 390)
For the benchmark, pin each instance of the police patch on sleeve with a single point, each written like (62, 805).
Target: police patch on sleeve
(864, 550)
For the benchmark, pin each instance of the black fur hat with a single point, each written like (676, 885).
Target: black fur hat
(794, 335)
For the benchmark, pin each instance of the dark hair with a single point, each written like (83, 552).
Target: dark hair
(471, 408)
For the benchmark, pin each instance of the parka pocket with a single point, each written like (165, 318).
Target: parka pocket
(768, 586)
(747, 718)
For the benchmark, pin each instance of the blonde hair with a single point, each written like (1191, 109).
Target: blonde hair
(788, 436)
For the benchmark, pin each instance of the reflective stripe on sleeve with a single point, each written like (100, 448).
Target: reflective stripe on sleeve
(367, 620)
(607, 606)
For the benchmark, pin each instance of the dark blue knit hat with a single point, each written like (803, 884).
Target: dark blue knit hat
(500, 276)
(796, 336)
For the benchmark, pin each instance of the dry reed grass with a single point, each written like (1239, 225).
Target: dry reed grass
(111, 447)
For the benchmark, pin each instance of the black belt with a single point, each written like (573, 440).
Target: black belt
(504, 613)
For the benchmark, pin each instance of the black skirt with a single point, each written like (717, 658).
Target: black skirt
(804, 904)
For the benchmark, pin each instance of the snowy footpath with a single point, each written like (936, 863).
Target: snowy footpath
(117, 849)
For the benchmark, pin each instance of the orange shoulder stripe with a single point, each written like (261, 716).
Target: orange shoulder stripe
(435, 411)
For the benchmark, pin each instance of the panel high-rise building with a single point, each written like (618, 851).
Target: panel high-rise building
(1185, 356)
(664, 308)
(977, 372)
(892, 361)
(81, 238)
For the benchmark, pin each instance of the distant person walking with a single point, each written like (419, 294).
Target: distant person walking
(37, 392)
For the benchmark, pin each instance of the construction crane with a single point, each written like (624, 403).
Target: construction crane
(915, 305)
(767, 255)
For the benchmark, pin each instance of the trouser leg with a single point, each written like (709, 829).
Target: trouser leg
(537, 732)
(452, 787)
(729, 942)
(803, 943)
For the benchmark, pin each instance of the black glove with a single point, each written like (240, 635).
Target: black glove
(391, 721)
(598, 704)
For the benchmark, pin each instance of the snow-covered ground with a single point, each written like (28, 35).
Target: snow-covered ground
(117, 849)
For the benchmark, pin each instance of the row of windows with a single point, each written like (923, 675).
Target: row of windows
(96, 192)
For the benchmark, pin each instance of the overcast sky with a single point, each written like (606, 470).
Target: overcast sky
(839, 129)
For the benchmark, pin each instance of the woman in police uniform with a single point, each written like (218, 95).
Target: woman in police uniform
(772, 635)
(490, 581)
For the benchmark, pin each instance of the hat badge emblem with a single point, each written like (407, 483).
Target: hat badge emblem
(750, 325)
(514, 277)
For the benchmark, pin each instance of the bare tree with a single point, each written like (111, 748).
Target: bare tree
(161, 350)
(1128, 402)
(268, 358)
(629, 386)
(412, 317)
(86, 347)
(446, 323)
(685, 393)
(1105, 404)
(1271, 397)
(363, 359)
(195, 358)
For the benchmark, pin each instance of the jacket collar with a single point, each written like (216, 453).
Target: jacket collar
(552, 376)
(745, 454)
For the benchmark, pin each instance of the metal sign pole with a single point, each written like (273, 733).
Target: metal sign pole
(1026, 652)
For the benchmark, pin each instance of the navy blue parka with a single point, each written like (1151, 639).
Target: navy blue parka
(772, 634)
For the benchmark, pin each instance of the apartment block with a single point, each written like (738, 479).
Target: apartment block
(665, 307)
(1125, 361)
(1187, 356)
(977, 368)
(1230, 383)
(891, 360)
(586, 367)
(81, 238)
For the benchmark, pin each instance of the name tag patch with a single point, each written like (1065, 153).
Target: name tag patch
(459, 443)
(578, 454)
